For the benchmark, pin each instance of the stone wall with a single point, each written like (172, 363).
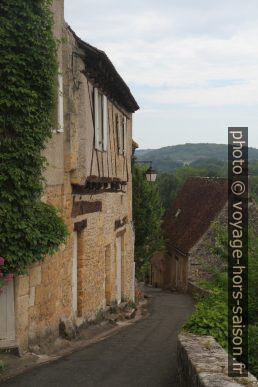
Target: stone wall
(201, 362)
(193, 289)
(169, 271)
(201, 259)
(44, 296)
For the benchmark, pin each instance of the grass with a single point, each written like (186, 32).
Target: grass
(3, 366)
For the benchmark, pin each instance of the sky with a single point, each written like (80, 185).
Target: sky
(192, 65)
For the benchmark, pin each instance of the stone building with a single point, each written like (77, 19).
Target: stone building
(89, 180)
(201, 201)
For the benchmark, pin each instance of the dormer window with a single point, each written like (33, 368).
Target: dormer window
(100, 120)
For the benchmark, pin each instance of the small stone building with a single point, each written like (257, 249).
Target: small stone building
(89, 180)
(157, 270)
(200, 202)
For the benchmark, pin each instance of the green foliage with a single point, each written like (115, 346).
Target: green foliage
(3, 366)
(211, 317)
(253, 348)
(169, 184)
(29, 229)
(204, 160)
(147, 216)
(254, 187)
(220, 246)
(253, 278)
(170, 158)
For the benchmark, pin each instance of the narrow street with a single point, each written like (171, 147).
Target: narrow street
(142, 355)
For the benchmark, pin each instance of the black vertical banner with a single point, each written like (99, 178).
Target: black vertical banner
(238, 194)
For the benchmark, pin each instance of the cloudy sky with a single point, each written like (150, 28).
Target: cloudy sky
(192, 65)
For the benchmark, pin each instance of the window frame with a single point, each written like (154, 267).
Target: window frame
(121, 124)
(101, 120)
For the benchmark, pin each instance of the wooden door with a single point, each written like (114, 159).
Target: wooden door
(108, 275)
(119, 269)
(7, 314)
(177, 272)
(74, 273)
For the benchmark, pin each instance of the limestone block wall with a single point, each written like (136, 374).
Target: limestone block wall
(201, 257)
(43, 296)
(201, 362)
(96, 240)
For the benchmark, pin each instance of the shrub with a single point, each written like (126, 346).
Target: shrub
(211, 317)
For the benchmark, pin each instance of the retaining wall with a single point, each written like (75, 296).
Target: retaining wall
(202, 362)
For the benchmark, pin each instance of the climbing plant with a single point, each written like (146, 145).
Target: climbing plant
(29, 229)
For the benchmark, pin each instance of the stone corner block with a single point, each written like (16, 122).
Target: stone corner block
(35, 276)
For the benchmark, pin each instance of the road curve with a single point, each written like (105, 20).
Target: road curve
(141, 355)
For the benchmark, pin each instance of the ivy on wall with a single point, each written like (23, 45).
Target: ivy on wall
(29, 229)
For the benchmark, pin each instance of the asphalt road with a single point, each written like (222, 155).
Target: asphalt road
(141, 355)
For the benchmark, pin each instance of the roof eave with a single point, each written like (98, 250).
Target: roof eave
(129, 102)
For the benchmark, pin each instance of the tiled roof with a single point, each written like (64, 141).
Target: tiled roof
(195, 207)
(101, 69)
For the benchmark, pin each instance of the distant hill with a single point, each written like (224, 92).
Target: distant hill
(171, 157)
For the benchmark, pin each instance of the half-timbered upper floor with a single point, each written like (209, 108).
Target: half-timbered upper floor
(94, 114)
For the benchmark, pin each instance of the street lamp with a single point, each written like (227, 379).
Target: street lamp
(151, 174)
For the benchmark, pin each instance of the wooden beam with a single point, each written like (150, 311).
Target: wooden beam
(84, 207)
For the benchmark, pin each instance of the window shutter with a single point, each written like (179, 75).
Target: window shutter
(105, 123)
(120, 134)
(117, 131)
(124, 134)
(60, 103)
(96, 118)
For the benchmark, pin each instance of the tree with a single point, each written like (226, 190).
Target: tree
(147, 217)
(168, 186)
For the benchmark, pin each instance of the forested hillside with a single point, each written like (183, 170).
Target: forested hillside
(171, 157)
(169, 183)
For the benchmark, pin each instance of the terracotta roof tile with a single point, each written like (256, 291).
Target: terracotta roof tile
(195, 207)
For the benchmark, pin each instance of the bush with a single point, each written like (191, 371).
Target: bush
(210, 317)
(211, 314)
(253, 349)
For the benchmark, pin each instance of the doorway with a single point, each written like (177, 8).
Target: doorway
(7, 314)
(177, 272)
(74, 273)
(108, 275)
(119, 268)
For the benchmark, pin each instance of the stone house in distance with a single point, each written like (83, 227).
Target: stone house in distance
(89, 180)
(187, 225)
